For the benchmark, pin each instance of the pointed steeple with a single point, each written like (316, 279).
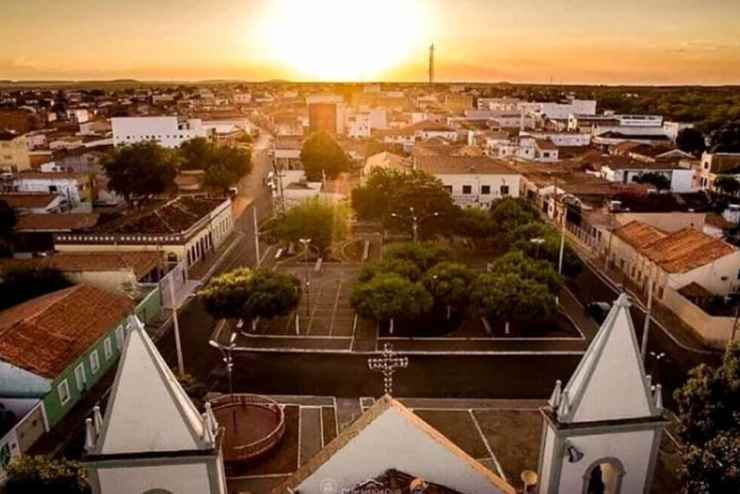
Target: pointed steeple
(149, 411)
(610, 381)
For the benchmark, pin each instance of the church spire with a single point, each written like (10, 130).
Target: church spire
(610, 381)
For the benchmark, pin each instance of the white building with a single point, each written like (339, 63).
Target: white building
(77, 189)
(569, 139)
(152, 438)
(681, 179)
(472, 181)
(169, 132)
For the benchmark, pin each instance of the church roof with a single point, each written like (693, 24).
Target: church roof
(148, 412)
(388, 436)
(610, 381)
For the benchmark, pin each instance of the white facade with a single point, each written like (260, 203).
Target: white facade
(480, 189)
(72, 189)
(570, 139)
(681, 179)
(169, 132)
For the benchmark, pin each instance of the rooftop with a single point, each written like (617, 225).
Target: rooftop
(175, 216)
(56, 222)
(639, 234)
(451, 165)
(141, 263)
(27, 200)
(47, 334)
(686, 249)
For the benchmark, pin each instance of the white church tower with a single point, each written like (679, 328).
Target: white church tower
(152, 439)
(602, 431)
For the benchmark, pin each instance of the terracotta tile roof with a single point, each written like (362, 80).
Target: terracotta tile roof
(175, 216)
(56, 222)
(47, 334)
(463, 165)
(686, 249)
(545, 144)
(639, 234)
(141, 263)
(27, 200)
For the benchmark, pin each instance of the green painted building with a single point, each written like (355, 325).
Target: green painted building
(56, 347)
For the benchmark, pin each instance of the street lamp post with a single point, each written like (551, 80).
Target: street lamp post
(228, 359)
(306, 242)
(415, 220)
(537, 241)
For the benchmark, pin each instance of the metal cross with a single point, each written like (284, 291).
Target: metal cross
(387, 365)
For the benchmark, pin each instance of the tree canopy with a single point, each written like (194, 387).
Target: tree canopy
(709, 426)
(510, 298)
(690, 140)
(42, 475)
(224, 165)
(20, 285)
(141, 170)
(726, 139)
(321, 154)
(423, 254)
(402, 267)
(321, 221)
(727, 184)
(657, 180)
(389, 296)
(449, 283)
(388, 191)
(224, 295)
(525, 267)
(271, 294)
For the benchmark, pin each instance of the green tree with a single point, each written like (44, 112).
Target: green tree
(509, 213)
(524, 267)
(657, 180)
(271, 294)
(141, 170)
(475, 223)
(389, 297)
(727, 138)
(423, 254)
(509, 298)
(224, 295)
(224, 165)
(393, 192)
(690, 140)
(19, 285)
(449, 284)
(320, 155)
(727, 184)
(42, 475)
(402, 267)
(319, 220)
(709, 426)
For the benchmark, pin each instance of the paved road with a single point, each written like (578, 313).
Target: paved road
(672, 371)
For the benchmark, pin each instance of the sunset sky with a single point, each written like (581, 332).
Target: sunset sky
(564, 41)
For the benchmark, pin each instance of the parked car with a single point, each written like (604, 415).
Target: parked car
(598, 310)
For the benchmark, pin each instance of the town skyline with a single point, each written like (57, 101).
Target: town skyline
(563, 42)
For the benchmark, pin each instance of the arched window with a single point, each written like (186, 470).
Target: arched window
(603, 476)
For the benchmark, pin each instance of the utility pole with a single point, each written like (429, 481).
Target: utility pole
(646, 326)
(256, 235)
(176, 324)
(562, 239)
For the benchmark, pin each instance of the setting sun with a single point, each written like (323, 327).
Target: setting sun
(340, 40)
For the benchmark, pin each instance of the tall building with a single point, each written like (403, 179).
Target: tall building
(326, 113)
